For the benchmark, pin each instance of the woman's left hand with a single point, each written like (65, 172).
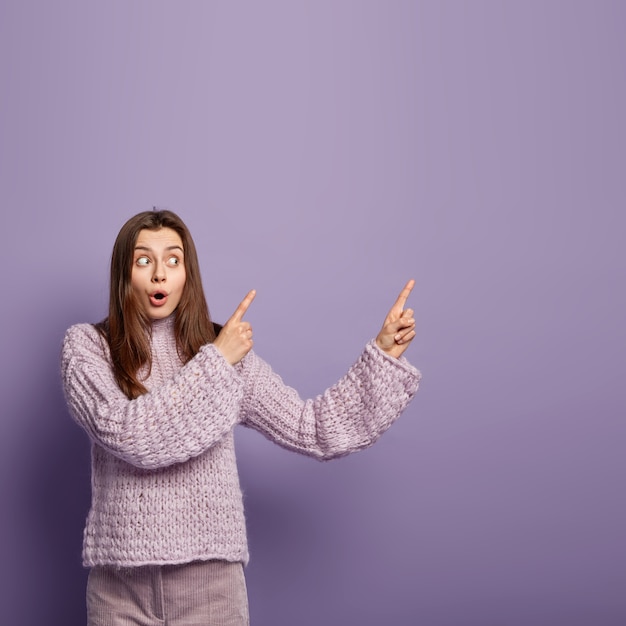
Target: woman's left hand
(399, 327)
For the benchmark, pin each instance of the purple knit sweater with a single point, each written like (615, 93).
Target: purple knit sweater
(165, 487)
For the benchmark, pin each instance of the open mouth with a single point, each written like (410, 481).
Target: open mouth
(158, 298)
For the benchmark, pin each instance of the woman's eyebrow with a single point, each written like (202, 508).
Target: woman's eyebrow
(148, 249)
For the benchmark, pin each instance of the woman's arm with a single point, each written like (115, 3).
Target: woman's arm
(351, 414)
(169, 424)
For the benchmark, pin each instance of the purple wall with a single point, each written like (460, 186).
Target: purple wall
(324, 152)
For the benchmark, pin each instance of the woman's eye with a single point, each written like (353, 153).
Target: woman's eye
(173, 261)
(143, 260)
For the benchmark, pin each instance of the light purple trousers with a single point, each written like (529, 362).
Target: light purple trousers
(209, 593)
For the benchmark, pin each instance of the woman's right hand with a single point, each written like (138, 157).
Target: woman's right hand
(235, 338)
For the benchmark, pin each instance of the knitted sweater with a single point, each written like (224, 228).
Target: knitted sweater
(165, 487)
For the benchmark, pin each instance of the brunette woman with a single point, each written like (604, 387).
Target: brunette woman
(159, 387)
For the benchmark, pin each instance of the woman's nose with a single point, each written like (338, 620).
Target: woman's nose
(159, 274)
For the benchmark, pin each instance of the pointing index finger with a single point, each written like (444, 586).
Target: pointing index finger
(243, 306)
(404, 295)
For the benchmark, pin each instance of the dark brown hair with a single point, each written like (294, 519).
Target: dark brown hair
(127, 328)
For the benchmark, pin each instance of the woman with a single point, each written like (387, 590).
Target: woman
(158, 388)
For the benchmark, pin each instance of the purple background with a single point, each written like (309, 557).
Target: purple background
(323, 153)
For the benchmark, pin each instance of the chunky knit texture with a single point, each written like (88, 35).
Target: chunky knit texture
(165, 487)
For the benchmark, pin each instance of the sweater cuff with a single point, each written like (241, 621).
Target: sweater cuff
(401, 363)
(217, 356)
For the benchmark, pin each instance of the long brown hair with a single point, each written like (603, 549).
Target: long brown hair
(127, 328)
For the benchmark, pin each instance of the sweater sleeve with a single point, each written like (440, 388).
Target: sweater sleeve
(170, 424)
(349, 416)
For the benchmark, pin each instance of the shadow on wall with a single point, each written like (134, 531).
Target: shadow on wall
(53, 495)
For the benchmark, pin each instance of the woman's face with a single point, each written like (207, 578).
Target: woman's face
(158, 275)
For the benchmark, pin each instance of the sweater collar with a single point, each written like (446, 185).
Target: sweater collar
(164, 325)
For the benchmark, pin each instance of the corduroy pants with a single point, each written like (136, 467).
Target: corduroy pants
(208, 593)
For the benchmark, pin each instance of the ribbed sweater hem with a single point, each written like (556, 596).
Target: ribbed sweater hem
(216, 556)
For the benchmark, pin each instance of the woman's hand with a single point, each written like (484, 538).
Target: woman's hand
(235, 338)
(399, 327)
